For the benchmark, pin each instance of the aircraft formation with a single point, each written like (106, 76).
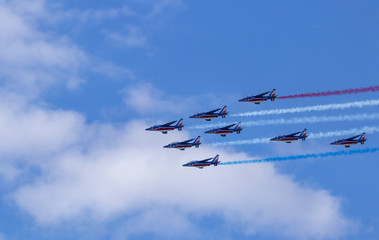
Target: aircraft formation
(237, 128)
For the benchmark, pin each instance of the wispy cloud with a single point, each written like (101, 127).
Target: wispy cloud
(146, 98)
(132, 37)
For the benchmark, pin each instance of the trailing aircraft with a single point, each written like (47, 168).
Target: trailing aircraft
(260, 97)
(185, 144)
(211, 114)
(226, 130)
(291, 137)
(347, 142)
(203, 163)
(167, 127)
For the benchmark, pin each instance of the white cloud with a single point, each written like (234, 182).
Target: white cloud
(31, 60)
(29, 130)
(102, 172)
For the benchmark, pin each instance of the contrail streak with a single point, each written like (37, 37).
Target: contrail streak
(305, 156)
(330, 93)
(346, 133)
(281, 121)
(318, 108)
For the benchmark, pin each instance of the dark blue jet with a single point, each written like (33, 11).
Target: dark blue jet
(203, 163)
(185, 144)
(211, 114)
(291, 137)
(347, 142)
(260, 97)
(226, 130)
(167, 127)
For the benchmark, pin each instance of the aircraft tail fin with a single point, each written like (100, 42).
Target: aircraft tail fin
(303, 134)
(238, 128)
(223, 110)
(215, 160)
(272, 94)
(197, 140)
(179, 125)
(362, 137)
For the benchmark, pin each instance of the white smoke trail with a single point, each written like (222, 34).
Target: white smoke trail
(351, 131)
(346, 133)
(313, 119)
(357, 104)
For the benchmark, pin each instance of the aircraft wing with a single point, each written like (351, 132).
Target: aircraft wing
(187, 141)
(293, 134)
(229, 126)
(261, 95)
(169, 123)
(352, 138)
(213, 111)
(205, 160)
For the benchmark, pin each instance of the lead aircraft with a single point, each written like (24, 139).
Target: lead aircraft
(203, 163)
(347, 142)
(167, 127)
(211, 114)
(291, 137)
(226, 130)
(185, 144)
(260, 97)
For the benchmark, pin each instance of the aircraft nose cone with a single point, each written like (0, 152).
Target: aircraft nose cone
(148, 129)
(241, 100)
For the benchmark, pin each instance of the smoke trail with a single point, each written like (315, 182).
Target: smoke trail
(281, 121)
(352, 131)
(337, 106)
(346, 133)
(330, 93)
(296, 157)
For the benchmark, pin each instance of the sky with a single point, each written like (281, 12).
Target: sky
(81, 80)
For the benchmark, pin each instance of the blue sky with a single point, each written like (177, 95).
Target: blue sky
(81, 80)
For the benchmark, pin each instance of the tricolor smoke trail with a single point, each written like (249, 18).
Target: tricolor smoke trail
(317, 108)
(305, 156)
(346, 133)
(296, 120)
(330, 93)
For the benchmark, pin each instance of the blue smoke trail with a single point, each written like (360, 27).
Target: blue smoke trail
(305, 156)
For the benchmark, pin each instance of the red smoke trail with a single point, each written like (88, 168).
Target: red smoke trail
(336, 92)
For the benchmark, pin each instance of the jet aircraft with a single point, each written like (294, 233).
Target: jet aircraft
(203, 163)
(260, 97)
(226, 130)
(185, 144)
(291, 137)
(211, 114)
(347, 142)
(167, 127)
